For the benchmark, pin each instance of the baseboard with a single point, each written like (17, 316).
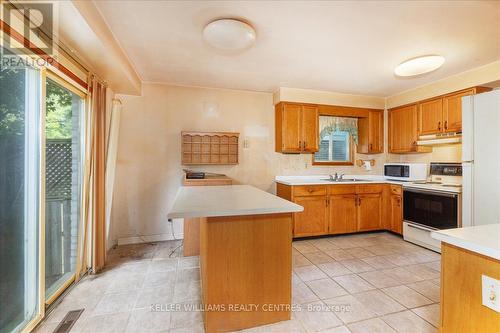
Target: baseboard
(148, 238)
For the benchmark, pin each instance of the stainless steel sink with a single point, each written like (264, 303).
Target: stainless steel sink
(348, 180)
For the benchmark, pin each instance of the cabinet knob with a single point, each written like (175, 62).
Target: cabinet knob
(304, 145)
(439, 126)
(446, 124)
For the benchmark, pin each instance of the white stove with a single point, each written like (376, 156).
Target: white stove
(445, 177)
(436, 186)
(434, 204)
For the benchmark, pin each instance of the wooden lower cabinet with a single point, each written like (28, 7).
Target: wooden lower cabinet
(313, 220)
(343, 208)
(342, 213)
(369, 211)
(396, 213)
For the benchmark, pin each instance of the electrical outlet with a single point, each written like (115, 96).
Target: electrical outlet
(491, 292)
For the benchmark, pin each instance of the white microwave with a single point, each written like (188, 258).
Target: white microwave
(410, 172)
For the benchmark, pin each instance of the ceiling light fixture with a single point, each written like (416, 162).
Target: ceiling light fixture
(419, 65)
(229, 34)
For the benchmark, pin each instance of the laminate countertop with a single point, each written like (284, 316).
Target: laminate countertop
(482, 239)
(324, 180)
(228, 200)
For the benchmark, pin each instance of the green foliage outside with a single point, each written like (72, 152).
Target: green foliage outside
(11, 102)
(58, 106)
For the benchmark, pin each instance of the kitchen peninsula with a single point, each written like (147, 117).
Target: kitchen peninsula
(245, 253)
(468, 256)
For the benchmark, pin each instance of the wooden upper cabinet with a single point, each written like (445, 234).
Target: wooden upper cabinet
(430, 117)
(313, 220)
(310, 129)
(402, 129)
(438, 115)
(376, 136)
(291, 116)
(452, 111)
(296, 128)
(371, 133)
(444, 114)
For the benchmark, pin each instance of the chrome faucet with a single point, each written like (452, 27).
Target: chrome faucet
(336, 177)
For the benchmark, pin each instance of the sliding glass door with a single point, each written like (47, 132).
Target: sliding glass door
(63, 183)
(19, 197)
(41, 177)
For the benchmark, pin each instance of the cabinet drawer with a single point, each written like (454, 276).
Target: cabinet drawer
(361, 189)
(396, 189)
(305, 190)
(341, 189)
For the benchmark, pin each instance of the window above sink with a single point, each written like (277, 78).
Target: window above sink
(337, 136)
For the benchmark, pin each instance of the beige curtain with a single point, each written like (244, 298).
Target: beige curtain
(93, 253)
(331, 124)
(112, 149)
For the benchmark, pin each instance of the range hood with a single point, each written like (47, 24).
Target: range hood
(439, 139)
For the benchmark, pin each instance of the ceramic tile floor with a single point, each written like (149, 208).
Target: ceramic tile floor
(373, 282)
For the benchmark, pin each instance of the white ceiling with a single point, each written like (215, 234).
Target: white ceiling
(349, 47)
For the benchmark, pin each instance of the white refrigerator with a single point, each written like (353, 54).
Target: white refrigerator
(481, 159)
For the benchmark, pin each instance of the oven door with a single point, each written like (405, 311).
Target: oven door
(435, 210)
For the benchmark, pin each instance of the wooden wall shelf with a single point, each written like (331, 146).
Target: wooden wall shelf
(215, 148)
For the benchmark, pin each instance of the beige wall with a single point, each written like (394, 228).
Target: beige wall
(148, 170)
(487, 75)
(284, 94)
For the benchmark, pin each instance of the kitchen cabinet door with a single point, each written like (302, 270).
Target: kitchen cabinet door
(371, 133)
(369, 211)
(313, 220)
(342, 217)
(376, 135)
(430, 117)
(402, 129)
(296, 128)
(310, 131)
(452, 111)
(290, 128)
(396, 214)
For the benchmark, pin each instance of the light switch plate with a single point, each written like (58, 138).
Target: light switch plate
(491, 292)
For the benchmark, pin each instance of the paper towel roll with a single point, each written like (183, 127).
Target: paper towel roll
(367, 165)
